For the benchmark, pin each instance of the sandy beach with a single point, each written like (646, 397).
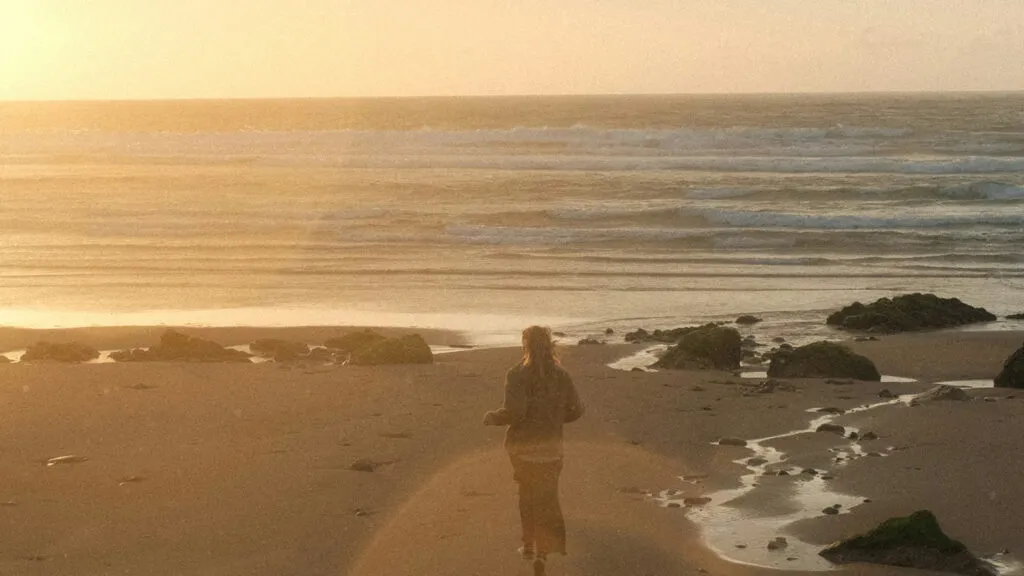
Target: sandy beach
(245, 469)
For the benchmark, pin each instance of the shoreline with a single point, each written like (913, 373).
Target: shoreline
(177, 453)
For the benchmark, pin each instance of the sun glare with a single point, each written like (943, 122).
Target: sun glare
(21, 44)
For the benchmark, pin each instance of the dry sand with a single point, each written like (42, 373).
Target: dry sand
(244, 469)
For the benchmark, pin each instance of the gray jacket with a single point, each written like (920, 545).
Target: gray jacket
(535, 409)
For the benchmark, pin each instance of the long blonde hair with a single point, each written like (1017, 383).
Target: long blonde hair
(539, 354)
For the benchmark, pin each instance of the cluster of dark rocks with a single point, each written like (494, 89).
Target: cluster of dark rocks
(719, 347)
(177, 347)
(363, 348)
(359, 348)
(907, 313)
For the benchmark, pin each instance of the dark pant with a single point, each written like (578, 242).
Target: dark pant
(541, 515)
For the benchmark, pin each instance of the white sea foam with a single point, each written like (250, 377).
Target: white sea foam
(986, 191)
(769, 219)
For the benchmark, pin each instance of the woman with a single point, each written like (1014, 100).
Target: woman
(539, 398)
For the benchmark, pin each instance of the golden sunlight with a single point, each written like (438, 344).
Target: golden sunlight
(23, 41)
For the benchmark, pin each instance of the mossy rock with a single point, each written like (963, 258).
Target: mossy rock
(710, 347)
(177, 347)
(411, 349)
(70, 352)
(1019, 316)
(914, 541)
(353, 341)
(1012, 375)
(822, 360)
(908, 312)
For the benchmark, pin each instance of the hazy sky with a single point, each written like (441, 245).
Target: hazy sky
(70, 49)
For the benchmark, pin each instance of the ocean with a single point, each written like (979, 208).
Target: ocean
(486, 214)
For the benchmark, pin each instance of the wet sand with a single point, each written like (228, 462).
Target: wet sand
(244, 469)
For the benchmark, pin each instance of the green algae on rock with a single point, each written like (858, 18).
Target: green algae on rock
(914, 541)
(708, 348)
(908, 312)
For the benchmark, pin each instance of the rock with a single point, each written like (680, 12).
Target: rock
(70, 352)
(696, 501)
(944, 392)
(756, 461)
(410, 349)
(868, 436)
(908, 312)
(608, 331)
(353, 341)
(866, 339)
(779, 543)
(639, 335)
(1012, 375)
(667, 336)
(559, 334)
(831, 511)
(589, 342)
(810, 472)
(637, 369)
(1019, 316)
(831, 410)
(363, 465)
(710, 347)
(853, 435)
(732, 442)
(779, 340)
(279, 350)
(822, 360)
(177, 347)
(832, 428)
(747, 320)
(886, 393)
(915, 541)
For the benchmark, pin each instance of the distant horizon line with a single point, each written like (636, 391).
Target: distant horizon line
(514, 96)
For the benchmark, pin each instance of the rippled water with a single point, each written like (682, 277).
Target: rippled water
(590, 212)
